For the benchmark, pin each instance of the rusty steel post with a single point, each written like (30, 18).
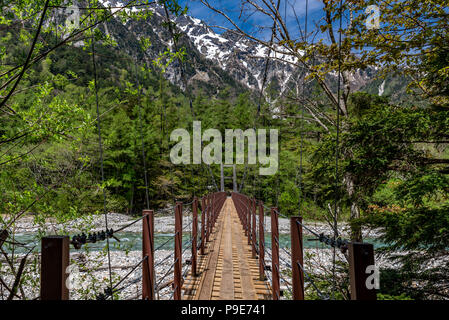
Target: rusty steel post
(297, 258)
(178, 254)
(275, 286)
(361, 255)
(194, 234)
(261, 242)
(214, 212)
(245, 216)
(212, 206)
(248, 217)
(148, 251)
(54, 262)
(243, 213)
(203, 229)
(253, 232)
(239, 209)
(207, 216)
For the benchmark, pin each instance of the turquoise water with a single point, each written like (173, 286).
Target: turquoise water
(133, 241)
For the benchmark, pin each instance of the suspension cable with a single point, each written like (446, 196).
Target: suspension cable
(147, 196)
(186, 85)
(337, 189)
(100, 145)
(108, 292)
(264, 80)
(301, 128)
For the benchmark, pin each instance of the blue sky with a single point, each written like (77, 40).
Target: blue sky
(253, 23)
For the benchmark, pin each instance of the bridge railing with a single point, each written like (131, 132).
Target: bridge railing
(55, 254)
(56, 249)
(251, 212)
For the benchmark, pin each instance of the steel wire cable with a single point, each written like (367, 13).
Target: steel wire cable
(129, 284)
(109, 292)
(163, 244)
(94, 64)
(188, 225)
(186, 84)
(320, 294)
(171, 254)
(287, 252)
(264, 80)
(166, 274)
(147, 196)
(302, 122)
(281, 277)
(129, 225)
(164, 259)
(339, 243)
(337, 151)
(129, 273)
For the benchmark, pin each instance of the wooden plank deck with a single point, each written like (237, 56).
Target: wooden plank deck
(226, 271)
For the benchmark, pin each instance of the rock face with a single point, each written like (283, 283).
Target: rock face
(213, 61)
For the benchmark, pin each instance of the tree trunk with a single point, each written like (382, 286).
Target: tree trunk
(356, 232)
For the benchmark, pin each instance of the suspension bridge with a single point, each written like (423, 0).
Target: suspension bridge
(225, 258)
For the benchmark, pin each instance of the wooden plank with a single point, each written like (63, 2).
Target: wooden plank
(227, 283)
(205, 292)
(248, 291)
(227, 270)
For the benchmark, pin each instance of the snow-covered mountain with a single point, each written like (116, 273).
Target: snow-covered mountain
(215, 60)
(244, 59)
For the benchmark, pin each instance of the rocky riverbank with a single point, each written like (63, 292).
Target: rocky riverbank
(318, 261)
(164, 223)
(92, 274)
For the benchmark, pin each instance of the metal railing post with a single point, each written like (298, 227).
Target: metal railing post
(261, 243)
(178, 252)
(207, 213)
(248, 218)
(275, 254)
(203, 220)
(253, 231)
(209, 216)
(54, 262)
(194, 234)
(148, 251)
(297, 258)
(245, 216)
(361, 256)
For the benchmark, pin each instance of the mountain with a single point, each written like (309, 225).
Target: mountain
(234, 59)
(213, 61)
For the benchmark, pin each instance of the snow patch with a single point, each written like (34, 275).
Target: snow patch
(382, 88)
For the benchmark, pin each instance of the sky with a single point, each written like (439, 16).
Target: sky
(257, 24)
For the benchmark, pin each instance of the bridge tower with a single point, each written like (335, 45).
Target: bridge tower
(233, 177)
